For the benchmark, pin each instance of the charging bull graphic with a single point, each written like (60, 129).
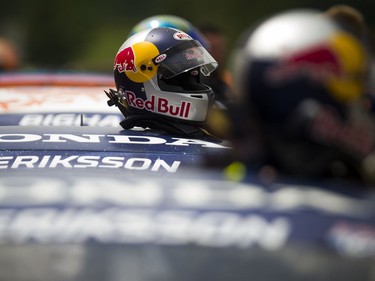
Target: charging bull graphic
(338, 66)
(136, 61)
(124, 60)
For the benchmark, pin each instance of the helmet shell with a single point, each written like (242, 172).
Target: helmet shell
(301, 79)
(165, 20)
(157, 71)
(298, 55)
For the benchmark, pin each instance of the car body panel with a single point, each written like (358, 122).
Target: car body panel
(48, 99)
(83, 199)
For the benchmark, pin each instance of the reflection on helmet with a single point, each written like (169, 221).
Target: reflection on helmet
(173, 22)
(303, 77)
(157, 74)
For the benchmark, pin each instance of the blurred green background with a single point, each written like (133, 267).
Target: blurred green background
(86, 34)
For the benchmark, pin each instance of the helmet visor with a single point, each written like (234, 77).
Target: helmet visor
(184, 57)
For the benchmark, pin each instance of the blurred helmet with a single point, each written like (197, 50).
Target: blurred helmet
(157, 74)
(303, 77)
(9, 58)
(173, 22)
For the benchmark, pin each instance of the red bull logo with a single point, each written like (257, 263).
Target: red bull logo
(338, 65)
(316, 64)
(125, 60)
(136, 61)
(159, 105)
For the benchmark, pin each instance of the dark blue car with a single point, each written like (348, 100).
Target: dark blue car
(80, 200)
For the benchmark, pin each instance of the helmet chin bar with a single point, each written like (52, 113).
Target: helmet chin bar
(171, 126)
(191, 107)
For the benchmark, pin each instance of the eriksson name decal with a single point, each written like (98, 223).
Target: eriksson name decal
(133, 226)
(87, 161)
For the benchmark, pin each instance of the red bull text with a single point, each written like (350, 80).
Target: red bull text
(159, 105)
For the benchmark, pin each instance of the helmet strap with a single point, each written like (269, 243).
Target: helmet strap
(169, 126)
(114, 100)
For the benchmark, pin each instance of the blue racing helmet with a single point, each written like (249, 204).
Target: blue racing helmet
(158, 72)
(173, 22)
(302, 77)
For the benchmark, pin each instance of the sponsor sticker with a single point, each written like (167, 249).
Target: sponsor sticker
(354, 239)
(181, 36)
(159, 105)
(53, 99)
(160, 58)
